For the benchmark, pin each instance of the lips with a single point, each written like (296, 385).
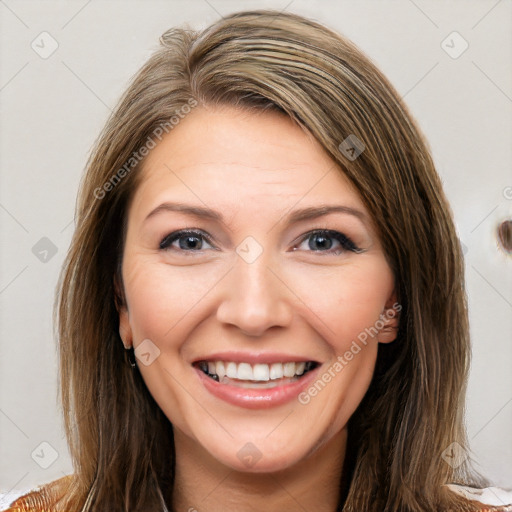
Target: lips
(255, 381)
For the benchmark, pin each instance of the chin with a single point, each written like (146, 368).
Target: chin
(263, 455)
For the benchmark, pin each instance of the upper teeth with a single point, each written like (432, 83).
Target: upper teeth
(257, 372)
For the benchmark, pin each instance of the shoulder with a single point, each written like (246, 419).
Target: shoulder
(44, 498)
(496, 498)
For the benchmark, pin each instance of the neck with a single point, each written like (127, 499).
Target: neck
(209, 486)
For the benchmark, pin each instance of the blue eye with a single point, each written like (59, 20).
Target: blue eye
(323, 240)
(188, 240)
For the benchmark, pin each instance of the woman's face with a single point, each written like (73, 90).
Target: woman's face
(248, 253)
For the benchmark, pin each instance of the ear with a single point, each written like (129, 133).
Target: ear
(390, 320)
(125, 330)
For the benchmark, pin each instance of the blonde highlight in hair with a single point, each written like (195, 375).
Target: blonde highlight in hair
(120, 441)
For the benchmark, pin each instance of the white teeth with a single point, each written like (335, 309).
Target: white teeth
(231, 370)
(260, 372)
(299, 370)
(289, 369)
(220, 370)
(276, 371)
(244, 371)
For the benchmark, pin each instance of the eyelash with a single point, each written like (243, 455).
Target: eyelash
(346, 243)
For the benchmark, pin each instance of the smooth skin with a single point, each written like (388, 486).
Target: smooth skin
(304, 295)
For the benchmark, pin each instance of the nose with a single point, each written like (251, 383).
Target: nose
(255, 298)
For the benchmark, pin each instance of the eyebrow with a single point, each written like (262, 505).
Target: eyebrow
(311, 212)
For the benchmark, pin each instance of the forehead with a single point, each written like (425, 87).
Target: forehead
(225, 154)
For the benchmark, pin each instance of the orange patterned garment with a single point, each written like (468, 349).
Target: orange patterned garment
(43, 499)
(47, 497)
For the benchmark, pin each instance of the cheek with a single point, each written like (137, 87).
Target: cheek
(346, 304)
(161, 299)
(161, 304)
(148, 303)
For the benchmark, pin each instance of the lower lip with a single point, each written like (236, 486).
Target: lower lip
(257, 398)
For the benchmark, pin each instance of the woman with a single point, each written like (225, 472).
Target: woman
(263, 305)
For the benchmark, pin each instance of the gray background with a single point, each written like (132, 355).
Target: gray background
(53, 108)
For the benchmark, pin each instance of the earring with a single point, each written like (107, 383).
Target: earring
(131, 356)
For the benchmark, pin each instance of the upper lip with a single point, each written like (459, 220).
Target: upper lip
(253, 357)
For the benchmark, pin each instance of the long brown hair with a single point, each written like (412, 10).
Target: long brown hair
(120, 441)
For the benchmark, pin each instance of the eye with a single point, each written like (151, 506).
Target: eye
(188, 240)
(328, 241)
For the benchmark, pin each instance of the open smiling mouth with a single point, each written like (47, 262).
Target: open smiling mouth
(255, 376)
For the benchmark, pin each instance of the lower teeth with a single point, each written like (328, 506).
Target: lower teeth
(248, 384)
